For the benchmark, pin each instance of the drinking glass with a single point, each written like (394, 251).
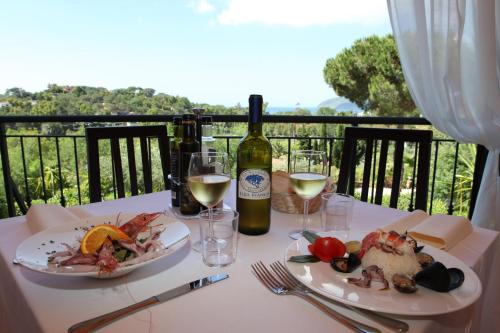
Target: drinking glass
(209, 179)
(336, 214)
(219, 236)
(308, 175)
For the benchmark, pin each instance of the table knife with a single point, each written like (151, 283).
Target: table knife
(97, 322)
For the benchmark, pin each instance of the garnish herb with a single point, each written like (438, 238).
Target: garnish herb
(310, 236)
(304, 258)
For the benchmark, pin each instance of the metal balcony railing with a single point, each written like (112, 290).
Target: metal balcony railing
(17, 188)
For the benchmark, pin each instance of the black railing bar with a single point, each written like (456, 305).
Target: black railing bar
(443, 140)
(375, 143)
(450, 206)
(434, 175)
(61, 187)
(77, 172)
(42, 171)
(352, 120)
(288, 154)
(415, 161)
(215, 137)
(113, 171)
(149, 156)
(4, 152)
(330, 156)
(25, 172)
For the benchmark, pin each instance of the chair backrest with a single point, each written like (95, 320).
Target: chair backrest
(373, 136)
(114, 134)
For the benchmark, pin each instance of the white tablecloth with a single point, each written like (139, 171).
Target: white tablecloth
(35, 302)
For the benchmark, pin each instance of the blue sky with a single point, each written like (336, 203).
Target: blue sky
(211, 51)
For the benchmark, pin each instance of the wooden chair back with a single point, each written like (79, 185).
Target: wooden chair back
(144, 133)
(422, 140)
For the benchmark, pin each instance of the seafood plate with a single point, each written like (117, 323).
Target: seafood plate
(58, 251)
(384, 296)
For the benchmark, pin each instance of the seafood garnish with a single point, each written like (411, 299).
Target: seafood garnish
(80, 259)
(370, 273)
(133, 227)
(346, 265)
(386, 241)
(107, 262)
(115, 253)
(404, 283)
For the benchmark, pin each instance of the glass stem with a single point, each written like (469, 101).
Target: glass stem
(306, 215)
(210, 222)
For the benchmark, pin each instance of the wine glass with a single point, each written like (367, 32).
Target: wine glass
(209, 179)
(308, 174)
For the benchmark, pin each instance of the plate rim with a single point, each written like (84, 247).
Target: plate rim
(119, 271)
(473, 300)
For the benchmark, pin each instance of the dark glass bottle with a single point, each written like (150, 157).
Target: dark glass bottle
(174, 161)
(188, 145)
(254, 161)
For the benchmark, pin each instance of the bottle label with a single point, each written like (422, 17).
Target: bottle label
(254, 184)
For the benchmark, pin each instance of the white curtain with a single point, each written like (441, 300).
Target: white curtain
(450, 54)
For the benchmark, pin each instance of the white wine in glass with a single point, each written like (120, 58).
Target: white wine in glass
(209, 179)
(209, 190)
(308, 175)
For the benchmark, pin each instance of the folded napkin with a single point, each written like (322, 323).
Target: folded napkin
(40, 217)
(408, 222)
(440, 231)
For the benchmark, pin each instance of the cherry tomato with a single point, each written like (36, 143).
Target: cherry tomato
(327, 248)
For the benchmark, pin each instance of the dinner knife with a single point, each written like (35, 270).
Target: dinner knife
(97, 322)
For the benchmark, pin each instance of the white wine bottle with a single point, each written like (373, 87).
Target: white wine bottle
(254, 161)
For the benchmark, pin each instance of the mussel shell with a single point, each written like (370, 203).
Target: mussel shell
(418, 249)
(457, 278)
(413, 243)
(404, 283)
(424, 259)
(439, 278)
(346, 265)
(340, 265)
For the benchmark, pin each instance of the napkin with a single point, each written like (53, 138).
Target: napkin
(40, 217)
(408, 222)
(440, 231)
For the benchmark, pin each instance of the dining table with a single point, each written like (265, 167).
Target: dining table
(32, 301)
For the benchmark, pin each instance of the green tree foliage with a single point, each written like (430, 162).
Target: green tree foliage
(369, 74)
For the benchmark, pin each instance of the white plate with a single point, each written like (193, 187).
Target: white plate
(321, 278)
(34, 251)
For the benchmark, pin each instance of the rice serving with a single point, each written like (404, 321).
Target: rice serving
(392, 263)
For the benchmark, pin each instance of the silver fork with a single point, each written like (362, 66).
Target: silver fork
(292, 282)
(278, 288)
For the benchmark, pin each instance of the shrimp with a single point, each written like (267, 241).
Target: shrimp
(133, 227)
(107, 262)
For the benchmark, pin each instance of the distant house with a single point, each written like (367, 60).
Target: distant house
(2, 104)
